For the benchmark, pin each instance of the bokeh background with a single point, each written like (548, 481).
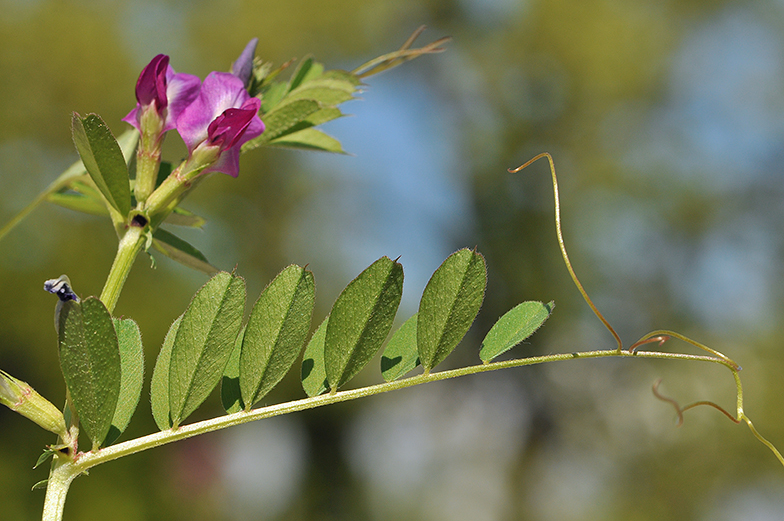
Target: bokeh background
(666, 120)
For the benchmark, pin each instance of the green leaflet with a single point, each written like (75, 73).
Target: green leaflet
(78, 201)
(204, 342)
(129, 339)
(103, 159)
(181, 251)
(307, 70)
(159, 385)
(322, 116)
(326, 91)
(231, 395)
(276, 332)
(272, 94)
(515, 326)
(400, 355)
(360, 320)
(449, 305)
(314, 374)
(182, 217)
(90, 361)
(283, 119)
(310, 98)
(309, 139)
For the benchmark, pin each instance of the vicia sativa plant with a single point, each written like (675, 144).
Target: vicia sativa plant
(211, 344)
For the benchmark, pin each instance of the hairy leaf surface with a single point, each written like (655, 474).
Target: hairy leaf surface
(129, 339)
(159, 386)
(276, 332)
(401, 354)
(204, 343)
(313, 373)
(516, 325)
(449, 305)
(361, 319)
(90, 361)
(103, 159)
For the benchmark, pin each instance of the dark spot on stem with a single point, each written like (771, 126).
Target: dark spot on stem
(139, 221)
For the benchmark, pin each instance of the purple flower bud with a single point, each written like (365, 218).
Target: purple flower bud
(223, 116)
(158, 86)
(151, 85)
(243, 67)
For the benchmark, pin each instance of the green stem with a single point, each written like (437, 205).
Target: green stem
(130, 245)
(10, 225)
(91, 459)
(76, 170)
(56, 491)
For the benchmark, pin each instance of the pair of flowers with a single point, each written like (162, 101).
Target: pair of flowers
(214, 118)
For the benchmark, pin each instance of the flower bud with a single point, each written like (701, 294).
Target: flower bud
(20, 397)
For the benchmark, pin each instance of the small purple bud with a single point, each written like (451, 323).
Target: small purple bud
(62, 288)
(243, 67)
(151, 85)
(170, 91)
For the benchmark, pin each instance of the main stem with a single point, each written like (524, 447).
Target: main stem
(130, 246)
(60, 480)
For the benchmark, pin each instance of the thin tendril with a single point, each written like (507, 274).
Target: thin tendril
(563, 247)
(659, 339)
(765, 442)
(661, 335)
(402, 55)
(680, 410)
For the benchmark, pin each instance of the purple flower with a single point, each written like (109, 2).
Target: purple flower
(160, 89)
(219, 121)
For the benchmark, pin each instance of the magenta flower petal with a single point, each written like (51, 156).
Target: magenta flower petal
(182, 89)
(233, 129)
(226, 130)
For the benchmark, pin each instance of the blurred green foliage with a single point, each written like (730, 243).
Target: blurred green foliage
(661, 117)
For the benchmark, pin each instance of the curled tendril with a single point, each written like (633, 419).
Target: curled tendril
(654, 337)
(659, 339)
(680, 410)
